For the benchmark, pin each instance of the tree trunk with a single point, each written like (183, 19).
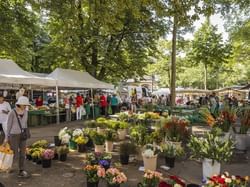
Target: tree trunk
(173, 63)
(205, 76)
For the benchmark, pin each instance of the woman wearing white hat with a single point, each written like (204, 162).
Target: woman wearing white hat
(17, 132)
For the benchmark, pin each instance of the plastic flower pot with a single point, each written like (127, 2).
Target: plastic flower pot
(34, 159)
(63, 157)
(39, 161)
(122, 134)
(124, 159)
(72, 145)
(92, 184)
(82, 148)
(113, 185)
(109, 146)
(99, 148)
(241, 141)
(55, 156)
(57, 141)
(210, 168)
(46, 163)
(90, 143)
(170, 161)
(150, 163)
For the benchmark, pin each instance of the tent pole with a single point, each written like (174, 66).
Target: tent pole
(57, 106)
(93, 109)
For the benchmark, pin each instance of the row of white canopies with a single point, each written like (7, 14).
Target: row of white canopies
(11, 73)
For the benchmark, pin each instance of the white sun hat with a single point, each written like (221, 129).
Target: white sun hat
(23, 101)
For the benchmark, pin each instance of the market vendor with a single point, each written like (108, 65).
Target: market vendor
(39, 101)
(4, 111)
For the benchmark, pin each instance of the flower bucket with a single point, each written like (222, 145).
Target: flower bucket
(81, 148)
(57, 141)
(90, 143)
(92, 184)
(63, 157)
(109, 146)
(99, 148)
(122, 134)
(170, 162)
(124, 159)
(55, 156)
(28, 157)
(72, 145)
(150, 163)
(38, 161)
(46, 163)
(241, 141)
(209, 168)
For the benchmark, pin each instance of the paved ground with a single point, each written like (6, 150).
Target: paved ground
(70, 174)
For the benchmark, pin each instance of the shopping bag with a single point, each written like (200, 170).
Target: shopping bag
(83, 111)
(109, 110)
(6, 157)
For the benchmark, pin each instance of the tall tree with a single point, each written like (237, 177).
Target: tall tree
(208, 49)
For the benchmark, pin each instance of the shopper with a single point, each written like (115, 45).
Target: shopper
(4, 111)
(16, 128)
(103, 104)
(39, 101)
(67, 105)
(79, 105)
(133, 104)
(114, 104)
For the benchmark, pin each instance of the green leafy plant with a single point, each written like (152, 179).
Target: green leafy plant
(211, 147)
(61, 150)
(244, 115)
(138, 134)
(172, 151)
(90, 124)
(98, 139)
(40, 143)
(127, 148)
(101, 122)
(110, 135)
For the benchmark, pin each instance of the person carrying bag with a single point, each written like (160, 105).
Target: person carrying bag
(18, 133)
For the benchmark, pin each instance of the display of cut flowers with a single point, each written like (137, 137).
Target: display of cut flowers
(64, 135)
(94, 173)
(94, 158)
(47, 154)
(77, 132)
(225, 180)
(150, 150)
(150, 178)
(81, 140)
(114, 176)
(171, 150)
(225, 120)
(176, 129)
(172, 181)
(206, 117)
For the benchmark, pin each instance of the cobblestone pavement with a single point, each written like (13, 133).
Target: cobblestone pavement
(70, 174)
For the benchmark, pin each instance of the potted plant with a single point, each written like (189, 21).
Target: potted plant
(47, 155)
(212, 151)
(138, 134)
(114, 177)
(62, 152)
(149, 155)
(95, 158)
(122, 130)
(99, 140)
(110, 136)
(81, 142)
(150, 179)
(176, 129)
(241, 134)
(126, 149)
(64, 136)
(93, 173)
(101, 124)
(225, 180)
(225, 120)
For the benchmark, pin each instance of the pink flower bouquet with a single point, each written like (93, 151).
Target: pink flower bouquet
(114, 176)
(48, 154)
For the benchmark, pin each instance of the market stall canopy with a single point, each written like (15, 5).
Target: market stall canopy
(11, 73)
(67, 78)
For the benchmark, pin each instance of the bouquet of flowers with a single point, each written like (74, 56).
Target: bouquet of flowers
(151, 150)
(47, 154)
(94, 173)
(114, 176)
(77, 132)
(64, 135)
(151, 178)
(81, 140)
(206, 117)
(95, 158)
(40, 143)
(172, 181)
(226, 180)
(104, 163)
(227, 117)
(175, 129)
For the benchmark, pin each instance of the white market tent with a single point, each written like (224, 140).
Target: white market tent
(11, 73)
(67, 78)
